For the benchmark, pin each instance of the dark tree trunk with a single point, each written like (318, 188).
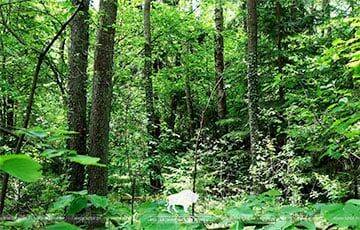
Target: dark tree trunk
(77, 84)
(252, 77)
(101, 99)
(219, 60)
(281, 137)
(155, 169)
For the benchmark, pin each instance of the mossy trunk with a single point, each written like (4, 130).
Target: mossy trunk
(252, 77)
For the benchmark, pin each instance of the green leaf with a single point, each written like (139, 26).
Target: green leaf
(62, 226)
(242, 212)
(288, 210)
(306, 224)
(77, 205)
(272, 193)
(279, 225)
(99, 201)
(62, 202)
(21, 166)
(237, 226)
(353, 201)
(86, 160)
(343, 215)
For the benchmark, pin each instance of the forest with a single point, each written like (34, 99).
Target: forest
(180, 114)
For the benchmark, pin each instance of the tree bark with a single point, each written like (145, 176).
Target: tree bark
(219, 60)
(155, 169)
(281, 137)
(20, 140)
(77, 84)
(252, 77)
(101, 99)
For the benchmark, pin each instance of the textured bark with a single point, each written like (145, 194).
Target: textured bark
(155, 169)
(252, 77)
(281, 137)
(77, 84)
(219, 60)
(101, 100)
(31, 98)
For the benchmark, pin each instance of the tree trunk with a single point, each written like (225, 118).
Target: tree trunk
(281, 137)
(219, 60)
(77, 84)
(101, 99)
(155, 169)
(252, 77)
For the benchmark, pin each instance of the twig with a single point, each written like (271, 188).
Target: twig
(20, 140)
(202, 119)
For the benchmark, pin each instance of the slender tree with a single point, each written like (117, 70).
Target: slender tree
(78, 61)
(101, 99)
(281, 137)
(155, 169)
(252, 76)
(219, 59)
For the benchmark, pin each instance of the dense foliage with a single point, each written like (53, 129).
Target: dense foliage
(305, 170)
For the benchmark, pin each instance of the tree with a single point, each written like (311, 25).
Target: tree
(252, 76)
(155, 170)
(101, 99)
(219, 60)
(77, 84)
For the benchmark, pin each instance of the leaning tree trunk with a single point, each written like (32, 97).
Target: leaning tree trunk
(252, 77)
(78, 61)
(219, 60)
(155, 169)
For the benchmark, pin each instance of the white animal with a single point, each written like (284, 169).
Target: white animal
(184, 198)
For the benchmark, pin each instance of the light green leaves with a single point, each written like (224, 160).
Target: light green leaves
(242, 212)
(344, 215)
(21, 166)
(62, 226)
(86, 160)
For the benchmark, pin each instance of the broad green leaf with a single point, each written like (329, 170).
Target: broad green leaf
(279, 225)
(353, 201)
(99, 201)
(21, 166)
(62, 226)
(77, 205)
(242, 212)
(306, 224)
(62, 202)
(86, 160)
(343, 215)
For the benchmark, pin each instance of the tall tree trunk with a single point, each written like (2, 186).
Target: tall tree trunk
(155, 169)
(281, 137)
(219, 60)
(252, 77)
(77, 84)
(101, 99)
